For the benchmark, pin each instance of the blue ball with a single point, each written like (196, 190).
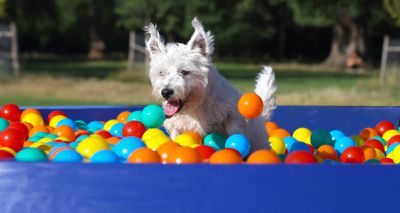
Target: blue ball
(104, 156)
(52, 143)
(344, 143)
(57, 146)
(135, 116)
(116, 129)
(126, 146)
(289, 141)
(240, 143)
(67, 122)
(95, 125)
(299, 146)
(153, 116)
(391, 147)
(336, 134)
(68, 156)
(74, 144)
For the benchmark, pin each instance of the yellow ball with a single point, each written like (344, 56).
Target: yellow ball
(277, 145)
(42, 146)
(194, 146)
(395, 155)
(379, 154)
(389, 134)
(89, 146)
(359, 141)
(302, 135)
(45, 140)
(54, 121)
(185, 140)
(109, 124)
(151, 132)
(156, 141)
(34, 119)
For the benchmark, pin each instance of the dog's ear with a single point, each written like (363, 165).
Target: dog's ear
(201, 39)
(154, 42)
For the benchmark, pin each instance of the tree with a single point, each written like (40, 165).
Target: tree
(393, 8)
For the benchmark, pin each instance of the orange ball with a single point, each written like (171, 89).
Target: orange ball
(327, 152)
(184, 155)
(123, 116)
(37, 129)
(196, 136)
(226, 156)
(113, 140)
(144, 155)
(30, 110)
(28, 125)
(250, 105)
(28, 143)
(369, 152)
(65, 131)
(263, 157)
(368, 133)
(271, 126)
(166, 149)
(280, 133)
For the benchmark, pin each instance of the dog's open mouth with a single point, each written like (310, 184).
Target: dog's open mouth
(172, 107)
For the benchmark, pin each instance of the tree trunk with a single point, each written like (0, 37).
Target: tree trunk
(347, 39)
(97, 44)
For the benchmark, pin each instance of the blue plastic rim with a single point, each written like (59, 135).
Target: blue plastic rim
(79, 187)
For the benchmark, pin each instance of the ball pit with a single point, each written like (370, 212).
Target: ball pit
(269, 183)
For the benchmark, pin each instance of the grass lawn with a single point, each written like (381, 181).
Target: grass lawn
(105, 82)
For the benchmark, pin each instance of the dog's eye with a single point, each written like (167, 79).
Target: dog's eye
(184, 72)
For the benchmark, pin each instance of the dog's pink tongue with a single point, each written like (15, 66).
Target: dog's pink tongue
(171, 108)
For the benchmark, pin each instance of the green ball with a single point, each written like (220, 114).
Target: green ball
(92, 130)
(135, 116)
(153, 116)
(215, 140)
(320, 137)
(80, 123)
(3, 124)
(31, 155)
(373, 161)
(282, 157)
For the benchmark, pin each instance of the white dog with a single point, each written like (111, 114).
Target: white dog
(195, 97)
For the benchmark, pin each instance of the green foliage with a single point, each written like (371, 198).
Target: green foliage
(393, 8)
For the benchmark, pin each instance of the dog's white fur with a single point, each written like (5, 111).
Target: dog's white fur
(210, 102)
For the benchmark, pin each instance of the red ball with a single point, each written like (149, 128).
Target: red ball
(205, 151)
(4, 155)
(384, 126)
(387, 161)
(10, 112)
(53, 114)
(103, 133)
(312, 150)
(20, 127)
(375, 144)
(12, 138)
(393, 140)
(300, 157)
(133, 128)
(352, 155)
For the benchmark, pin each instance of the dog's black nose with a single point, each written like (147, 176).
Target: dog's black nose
(167, 93)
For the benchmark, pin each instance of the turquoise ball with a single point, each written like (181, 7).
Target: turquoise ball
(153, 116)
(135, 116)
(215, 140)
(3, 124)
(31, 155)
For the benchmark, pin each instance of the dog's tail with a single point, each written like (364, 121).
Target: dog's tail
(266, 88)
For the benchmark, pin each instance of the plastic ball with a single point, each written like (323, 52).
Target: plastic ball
(6, 155)
(299, 146)
(263, 157)
(31, 155)
(144, 155)
(104, 156)
(135, 116)
(389, 134)
(375, 144)
(104, 134)
(352, 155)
(327, 152)
(12, 138)
(184, 155)
(95, 125)
(185, 140)
(54, 113)
(126, 146)
(369, 152)
(300, 157)
(379, 154)
(226, 156)
(67, 122)
(281, 133)
(109, 124)
(54, 120)
(277, 145)
(384, 126)
(65, 131)
(28, 111)
(156, 141)
(133, 128)
(68, 156)
(91, 145)
(359, 141)
(387, 161)
(123, 116)
(289, 141)
(270, 127)
(240, 143)
(394, 139)
(164, 150)
(372, 161)
(391, 147)
(3, 124)
(336, 134)
(205, 151)
(151, 133)
(302, 134)
(250, 105)
(20, 127)
(195, 136)
(215, 140)
(153, 116)
(344, 143)
(320, 137)
(10, 112)
(367, 133)
(117, 130)
(34, 119)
